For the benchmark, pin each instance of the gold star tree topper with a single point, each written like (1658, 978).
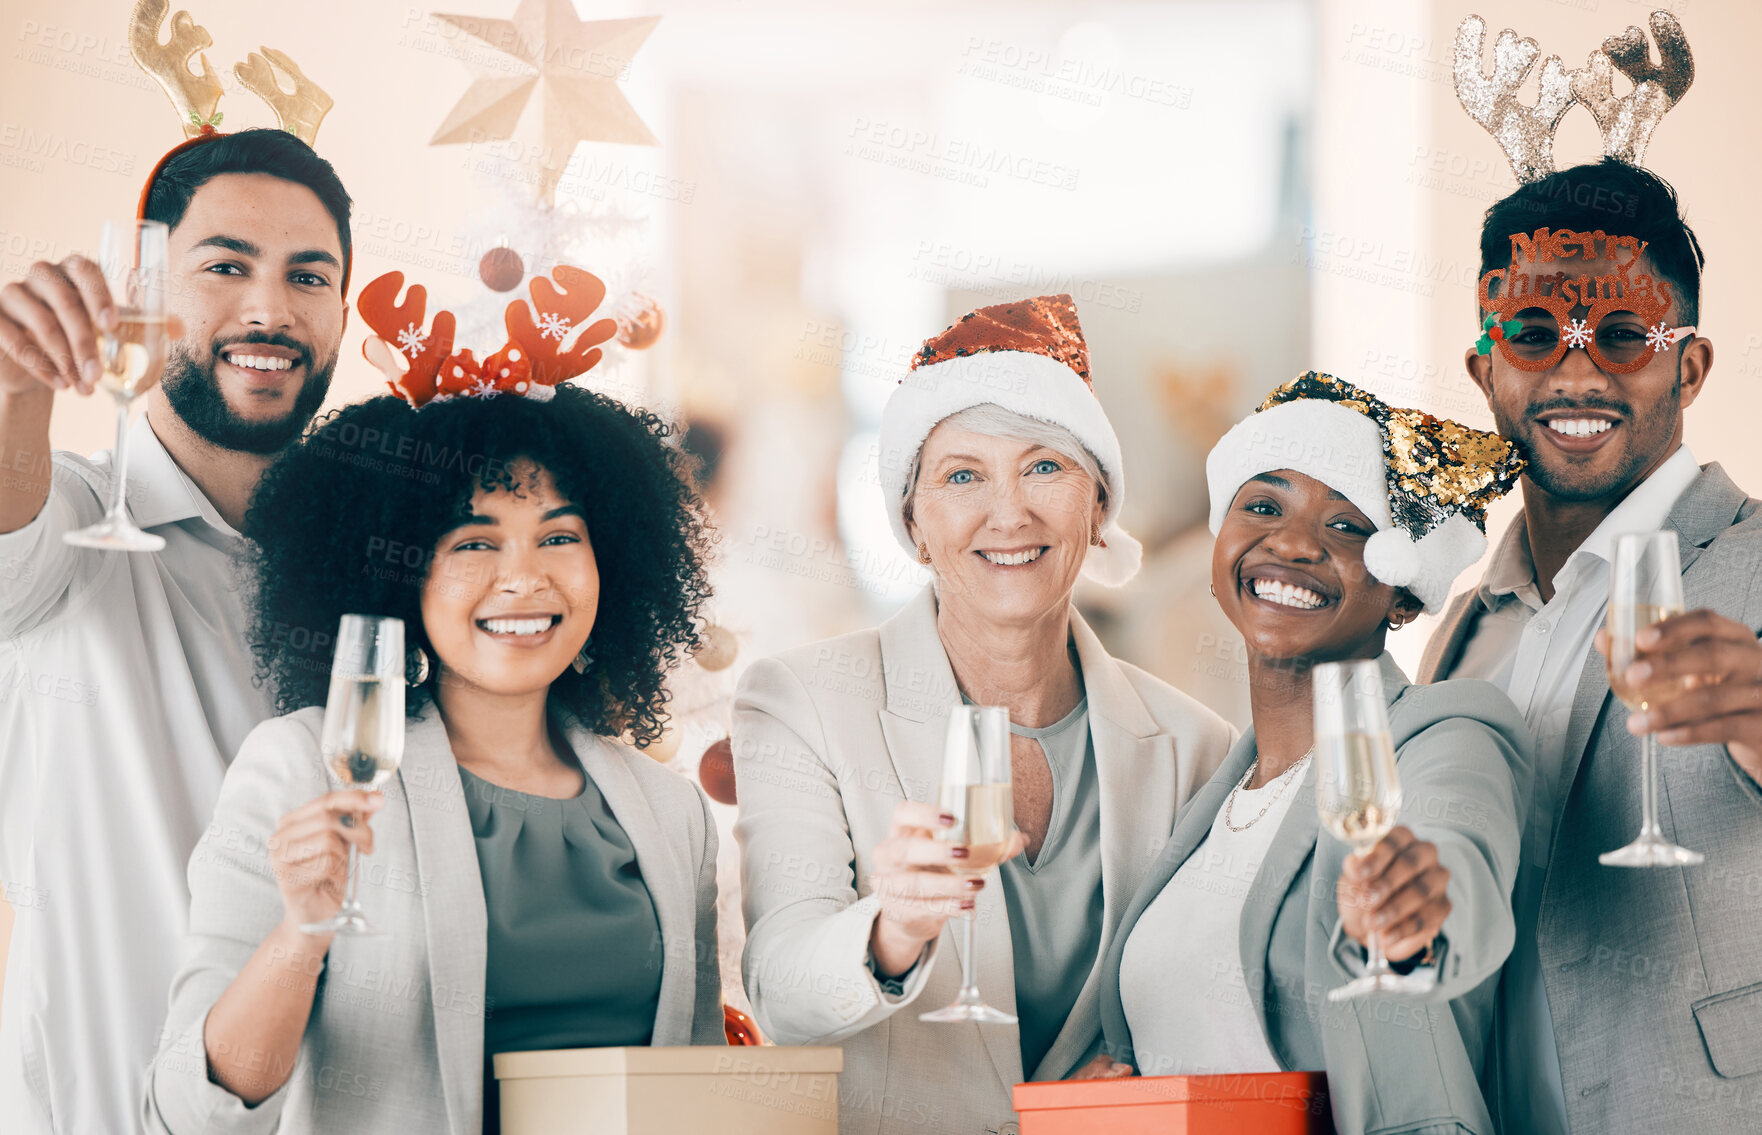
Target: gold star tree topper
(573, 64)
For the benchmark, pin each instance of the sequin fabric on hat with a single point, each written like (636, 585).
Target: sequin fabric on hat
(1044, 325)
(1434, 466)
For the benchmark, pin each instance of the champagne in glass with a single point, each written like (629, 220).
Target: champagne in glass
(976, 792)
(133, 355)
(363, 735)
(132, 256)
(1358, 792)
(1645, 587)
(989, 811)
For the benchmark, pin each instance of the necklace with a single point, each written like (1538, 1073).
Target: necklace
(1283, 782)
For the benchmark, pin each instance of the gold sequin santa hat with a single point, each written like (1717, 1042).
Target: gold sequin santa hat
(1424, 482)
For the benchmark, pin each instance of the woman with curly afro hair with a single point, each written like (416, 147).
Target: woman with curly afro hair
(539, 881)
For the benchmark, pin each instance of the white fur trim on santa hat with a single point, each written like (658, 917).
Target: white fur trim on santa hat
(1343, 449)
(1032, 385)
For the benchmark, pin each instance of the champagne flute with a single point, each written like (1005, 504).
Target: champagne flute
(1358, 792)
(363, 735)
(976, 792)
(132, 257)
(1645, 587)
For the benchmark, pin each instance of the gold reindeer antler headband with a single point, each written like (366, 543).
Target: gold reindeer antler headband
(196, 96)
(1526, 133)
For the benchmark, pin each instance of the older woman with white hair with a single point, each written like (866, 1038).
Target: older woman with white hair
(1002, 476)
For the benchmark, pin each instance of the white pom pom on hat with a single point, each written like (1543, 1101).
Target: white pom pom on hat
(1332, 431)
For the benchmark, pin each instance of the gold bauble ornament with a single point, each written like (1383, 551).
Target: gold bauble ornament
(719, 650)
(642, 329)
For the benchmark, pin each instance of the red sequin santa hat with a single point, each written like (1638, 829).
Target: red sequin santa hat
(421, 366)
(1028, 357)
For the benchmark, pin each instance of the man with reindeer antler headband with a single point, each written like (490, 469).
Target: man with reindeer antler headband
(130, 675)
(1632, 1000)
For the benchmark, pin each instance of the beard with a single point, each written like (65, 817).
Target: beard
(194, 393)
(1576, 482)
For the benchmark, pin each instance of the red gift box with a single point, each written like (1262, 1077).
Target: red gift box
(1273, 1103)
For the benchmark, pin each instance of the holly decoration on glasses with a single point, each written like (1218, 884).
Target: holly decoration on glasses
(1492, 331)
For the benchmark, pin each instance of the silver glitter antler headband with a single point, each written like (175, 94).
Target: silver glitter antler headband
(1526, 133)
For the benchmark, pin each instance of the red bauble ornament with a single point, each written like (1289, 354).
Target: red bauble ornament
(715, 771)
(501, 269)
(640, 329)
(1496, 332)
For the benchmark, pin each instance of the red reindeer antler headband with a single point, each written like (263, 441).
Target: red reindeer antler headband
(419, 362)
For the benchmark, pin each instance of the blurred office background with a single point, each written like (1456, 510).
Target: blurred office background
(1233, 192)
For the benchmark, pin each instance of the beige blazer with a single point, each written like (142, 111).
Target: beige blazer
(395, 1041)
(828, 738)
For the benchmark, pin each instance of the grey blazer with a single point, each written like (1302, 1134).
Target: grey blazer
(395, 1041)
(1397, 1064)
(828, 738)
(1654, 977)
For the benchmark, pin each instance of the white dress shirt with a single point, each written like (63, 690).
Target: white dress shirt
(1182, 978)
(1536, 652)
(125, 690)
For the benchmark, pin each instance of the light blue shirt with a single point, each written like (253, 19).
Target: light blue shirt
(1536, 652)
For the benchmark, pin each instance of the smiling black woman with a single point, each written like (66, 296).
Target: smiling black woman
(1338, 519)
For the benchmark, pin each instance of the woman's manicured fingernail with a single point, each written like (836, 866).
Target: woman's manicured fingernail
(947, 820)
(975, 884)
(958, 853)
(91, 371)
(966, 904)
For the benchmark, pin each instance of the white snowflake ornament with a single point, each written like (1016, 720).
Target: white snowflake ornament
(412, 340)
(553, 326)
(1659, 337)
(1578, 334)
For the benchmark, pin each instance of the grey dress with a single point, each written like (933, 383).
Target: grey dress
(574, 944)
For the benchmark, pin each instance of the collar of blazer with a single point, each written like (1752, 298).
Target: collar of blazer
(1711, 504)
(1138, 776)
(453, 910)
